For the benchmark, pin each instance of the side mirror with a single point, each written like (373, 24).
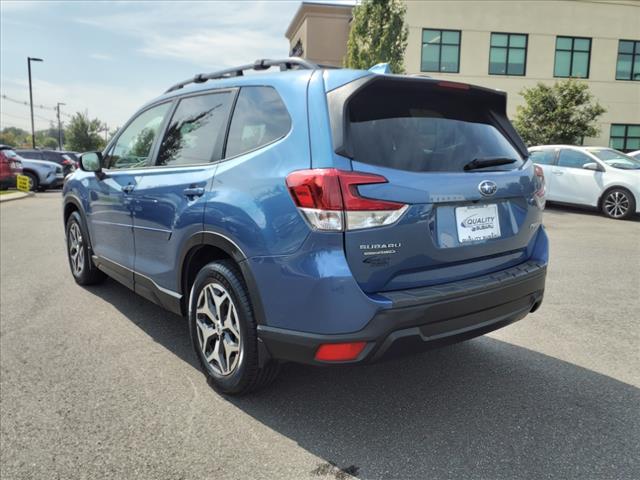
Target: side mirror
(91, 162)
(591, 166)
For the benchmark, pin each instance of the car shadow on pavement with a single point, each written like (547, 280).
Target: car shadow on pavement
(481, 409)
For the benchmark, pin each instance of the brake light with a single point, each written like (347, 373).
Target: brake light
(339, 352)
(540, 193)
(329, 199)
(459, 86)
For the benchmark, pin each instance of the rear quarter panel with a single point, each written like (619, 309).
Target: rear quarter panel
(249, 201)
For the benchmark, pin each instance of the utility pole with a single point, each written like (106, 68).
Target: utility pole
(33, 129)
(59, 125)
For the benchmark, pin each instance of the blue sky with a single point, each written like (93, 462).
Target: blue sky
(108, 58)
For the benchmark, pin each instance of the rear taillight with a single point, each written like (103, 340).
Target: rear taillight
(540, 193)
(329, 200)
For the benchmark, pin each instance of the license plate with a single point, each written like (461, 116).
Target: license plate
(477, 222)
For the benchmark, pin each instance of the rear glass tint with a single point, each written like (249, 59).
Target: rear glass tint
(259, 118)
(424, 129)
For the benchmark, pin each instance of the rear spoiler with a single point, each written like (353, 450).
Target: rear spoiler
(338, 100)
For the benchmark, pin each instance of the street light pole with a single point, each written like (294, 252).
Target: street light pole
(33, 130)
(59, 125)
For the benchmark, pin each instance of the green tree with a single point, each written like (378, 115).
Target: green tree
(83, 134)
(15, 137)
(378, 34)
(563, 113)
(47, 142)
(8, 138)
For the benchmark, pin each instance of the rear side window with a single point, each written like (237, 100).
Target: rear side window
(52, 156)
(543, 157)
(35, 155)
(259, 118)
(573, 159)
(196, 131)
(424, 129)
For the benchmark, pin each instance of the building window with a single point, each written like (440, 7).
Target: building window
(572, 57)
(297, 50)
(440, 51)
(628, 67)
(625, 138)
(508, 54)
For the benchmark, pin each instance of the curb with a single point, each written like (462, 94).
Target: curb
(15, 196)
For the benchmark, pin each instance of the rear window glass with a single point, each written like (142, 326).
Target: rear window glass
(424, 129)
(31, 154)
(544, 157)
(259, 118)
(52, 156)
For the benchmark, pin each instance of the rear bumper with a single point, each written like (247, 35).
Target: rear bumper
(8, 182)
(53, 182)
(424, 318)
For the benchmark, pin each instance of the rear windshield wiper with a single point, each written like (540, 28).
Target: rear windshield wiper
(488, 162)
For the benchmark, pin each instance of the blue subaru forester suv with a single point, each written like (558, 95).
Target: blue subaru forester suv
(315, 215)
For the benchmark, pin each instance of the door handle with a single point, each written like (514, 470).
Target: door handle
(558, 172)
(193, 192)
(128, 188)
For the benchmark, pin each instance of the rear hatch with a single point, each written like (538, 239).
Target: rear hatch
(449, 153)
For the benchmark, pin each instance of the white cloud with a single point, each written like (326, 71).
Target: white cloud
(189, 36)
(211, 34)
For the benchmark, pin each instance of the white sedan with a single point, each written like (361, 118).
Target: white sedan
(597, 177)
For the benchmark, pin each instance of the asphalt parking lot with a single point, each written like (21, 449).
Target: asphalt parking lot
(100, 383)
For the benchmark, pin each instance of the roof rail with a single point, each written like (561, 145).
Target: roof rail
(260, 64)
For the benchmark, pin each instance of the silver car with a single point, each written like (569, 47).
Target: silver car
(42, 174)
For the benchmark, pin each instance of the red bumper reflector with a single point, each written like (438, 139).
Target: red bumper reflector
(339, 352)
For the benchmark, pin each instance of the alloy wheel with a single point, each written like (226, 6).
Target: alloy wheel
(616, 204)
(76, 249)
(218, 329)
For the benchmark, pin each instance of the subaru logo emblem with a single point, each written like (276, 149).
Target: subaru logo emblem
(487, 188)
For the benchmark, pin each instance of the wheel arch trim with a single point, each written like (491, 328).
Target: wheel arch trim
(72, 199)
(233, 250)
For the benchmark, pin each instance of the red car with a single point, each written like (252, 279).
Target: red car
(10, 167)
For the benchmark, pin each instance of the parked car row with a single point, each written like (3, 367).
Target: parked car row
(42, 174)
(67, 160)
(595, 177)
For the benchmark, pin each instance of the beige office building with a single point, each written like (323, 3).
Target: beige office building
(508, 45)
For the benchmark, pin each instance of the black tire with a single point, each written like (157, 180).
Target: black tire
(618, 203)
(33, 181)
(88, 273)
(247, 375)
